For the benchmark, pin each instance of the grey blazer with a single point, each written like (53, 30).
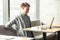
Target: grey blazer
(17, 21)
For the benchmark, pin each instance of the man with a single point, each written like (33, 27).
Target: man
(22, 21)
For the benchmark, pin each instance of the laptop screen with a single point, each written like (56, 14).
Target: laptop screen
(51, 22)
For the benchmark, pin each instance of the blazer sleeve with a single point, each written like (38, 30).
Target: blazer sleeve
(10, 23)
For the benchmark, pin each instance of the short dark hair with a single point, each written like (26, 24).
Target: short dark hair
(25, 4)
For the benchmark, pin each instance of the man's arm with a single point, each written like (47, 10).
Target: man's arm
(9, 25)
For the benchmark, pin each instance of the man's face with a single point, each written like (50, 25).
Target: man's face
(25, 10)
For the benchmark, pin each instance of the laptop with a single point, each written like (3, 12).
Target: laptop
(51, 22)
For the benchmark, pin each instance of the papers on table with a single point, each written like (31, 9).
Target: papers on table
(40, 27)
(36, 28)
(6, 37)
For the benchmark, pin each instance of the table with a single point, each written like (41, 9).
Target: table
(44, 31)
(55, 24)
(6, 37)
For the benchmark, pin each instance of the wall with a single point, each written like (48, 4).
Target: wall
(5, 11)
(48, 10)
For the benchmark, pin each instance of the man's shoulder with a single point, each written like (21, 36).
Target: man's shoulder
(16, 17)
(19, 15)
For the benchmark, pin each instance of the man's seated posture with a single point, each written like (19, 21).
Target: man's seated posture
(22, 21)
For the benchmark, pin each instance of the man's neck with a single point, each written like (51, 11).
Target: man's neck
(24, 14)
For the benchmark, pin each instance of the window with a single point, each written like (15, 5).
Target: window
(1, 12)
(15, 8)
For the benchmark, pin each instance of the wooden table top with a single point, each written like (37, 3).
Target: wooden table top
(42, 30)
(55, 24)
